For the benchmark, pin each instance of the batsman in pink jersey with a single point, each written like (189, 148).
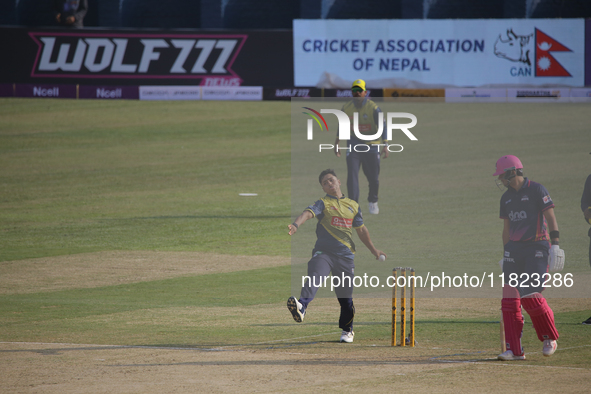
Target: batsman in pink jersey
(529, 228)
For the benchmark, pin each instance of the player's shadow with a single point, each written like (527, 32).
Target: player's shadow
(177, 217)
(291, 324)
(315, 362)
(388, 323)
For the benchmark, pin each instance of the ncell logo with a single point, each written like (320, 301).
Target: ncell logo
(345, 128)
(537, 46)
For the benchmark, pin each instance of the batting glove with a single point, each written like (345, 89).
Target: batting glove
(556, 258)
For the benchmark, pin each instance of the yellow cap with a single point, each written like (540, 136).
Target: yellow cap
(359, 83)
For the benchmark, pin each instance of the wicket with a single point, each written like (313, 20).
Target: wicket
(411, 333)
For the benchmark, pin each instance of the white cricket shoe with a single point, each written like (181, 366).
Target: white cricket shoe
(297, 309)
(347, 336)
(549, 347)
(509, 356)
(373, 208)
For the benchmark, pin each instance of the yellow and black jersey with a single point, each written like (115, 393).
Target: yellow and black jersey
(368, 117)
(337, 217)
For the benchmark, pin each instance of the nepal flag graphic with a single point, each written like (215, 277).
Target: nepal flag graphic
(546, 64)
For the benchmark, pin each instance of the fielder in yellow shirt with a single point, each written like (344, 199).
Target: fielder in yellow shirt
(368, 159)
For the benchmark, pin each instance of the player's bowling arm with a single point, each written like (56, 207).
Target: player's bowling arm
(306, 215)
(363, 234)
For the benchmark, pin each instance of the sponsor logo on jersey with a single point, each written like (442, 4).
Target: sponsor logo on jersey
(525, 198)
(517, 216)
(539, 254)
(547, 199)
(341, 222)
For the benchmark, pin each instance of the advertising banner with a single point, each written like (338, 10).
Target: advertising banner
(169, 93)
(45, 91)
(347, 93)
(288, 93)
(110, 57)
(414, 93)
(6, 90)
(476, 95)
(233, 93)
(580, 95)
(108, 92)
(200, 93)
(440, 53)
(538, 95)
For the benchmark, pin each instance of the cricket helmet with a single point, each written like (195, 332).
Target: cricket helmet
(507, 163)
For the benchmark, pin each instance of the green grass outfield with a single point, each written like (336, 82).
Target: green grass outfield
(83, 176)
(89, 176)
